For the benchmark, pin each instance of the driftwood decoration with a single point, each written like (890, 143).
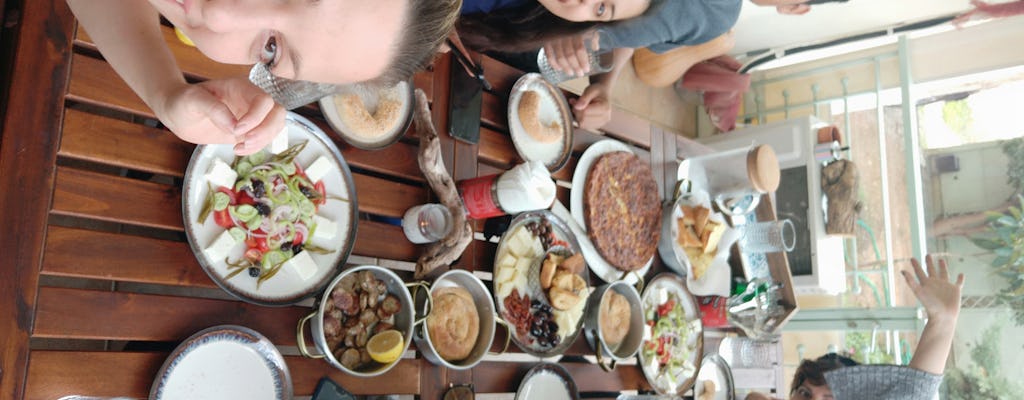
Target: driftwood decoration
(839, 182)
(438, 256)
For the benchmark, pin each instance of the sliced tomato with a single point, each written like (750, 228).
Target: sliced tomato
(253, 255)
(299, 170)
(258, 243)
(664, 358)
(244, 198)
(223, 219)
(319, 186)
(298, 238)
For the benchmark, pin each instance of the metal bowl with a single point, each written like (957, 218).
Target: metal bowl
(404, 320)
(592, 325)
(484, 308)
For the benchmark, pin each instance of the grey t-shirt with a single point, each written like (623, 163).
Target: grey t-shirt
(668, 24)
(882, 382)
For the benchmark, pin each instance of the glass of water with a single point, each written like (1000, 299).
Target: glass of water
(599, 62)
(427, 223)
(768, 236)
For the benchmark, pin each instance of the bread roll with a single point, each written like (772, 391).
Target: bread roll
(614, 318)
(453, 324)
(529, 116)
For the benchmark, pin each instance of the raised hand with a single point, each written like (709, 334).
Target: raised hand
(593, 109)
(227, 111)
(939, 296)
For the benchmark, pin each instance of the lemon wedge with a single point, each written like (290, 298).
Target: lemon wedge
(184, 39)
(386, 347)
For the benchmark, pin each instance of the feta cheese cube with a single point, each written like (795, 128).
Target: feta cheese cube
(508, 261)
(303, 265)
(523, 266)
(505, 274)
(280, 142)
(661, 296)
(220, 247)
(324, 230)
(504, 289)
(519, 282)
(221, 174)
(320, 167)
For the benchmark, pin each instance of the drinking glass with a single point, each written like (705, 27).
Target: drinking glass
(427, 223)
(768, 236)
(599, 62)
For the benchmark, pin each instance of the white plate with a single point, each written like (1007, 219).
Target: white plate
(716, 279)
(595, 261)
(286, 287)
(673, 283)
(224, 362)
(714, 368)
(553, 107)
(549, 382)
(563, 233)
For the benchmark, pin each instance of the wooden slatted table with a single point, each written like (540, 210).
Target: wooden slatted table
(98, 281)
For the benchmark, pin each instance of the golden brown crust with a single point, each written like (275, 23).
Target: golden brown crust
(453, 323)
(614, 317)
(529, 117)
(622, 210)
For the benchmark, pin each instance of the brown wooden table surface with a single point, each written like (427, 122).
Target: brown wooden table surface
(98, 282)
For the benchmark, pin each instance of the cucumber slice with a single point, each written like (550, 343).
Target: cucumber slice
(221, 201)
(238, 233)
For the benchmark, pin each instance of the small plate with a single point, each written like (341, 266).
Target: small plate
(549, 382)
(595, 261)
(403, 91)
(553, 107)
(672, 284)
(532, 287)
(715, 281)
(224, 362)
(286, 287)
(714, 368)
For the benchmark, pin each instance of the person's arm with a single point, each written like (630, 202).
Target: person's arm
(593, 109)
(941, 300)
(792, 7)
(128, 35)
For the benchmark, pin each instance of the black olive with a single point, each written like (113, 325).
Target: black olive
(535, 303)
(262, 209)
(258, 188)
(286, 246)
(555, 340)
(296, 248)
(535, 331)
(551, 326)
(254, 272)
(306, 192)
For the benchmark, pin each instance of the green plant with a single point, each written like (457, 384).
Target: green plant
(1014, 150)
(1005, 238)
(982, 379)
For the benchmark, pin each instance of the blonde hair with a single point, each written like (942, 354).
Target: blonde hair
(427, 24)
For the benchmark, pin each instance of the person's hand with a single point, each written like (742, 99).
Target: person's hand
(593, 108)
(569, 54)
(939, 296)
(226, 111)
(793, 9)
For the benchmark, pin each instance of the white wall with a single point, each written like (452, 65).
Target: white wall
(762, 27)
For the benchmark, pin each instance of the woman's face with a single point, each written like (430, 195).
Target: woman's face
(596, 10)
(807, 391)
(331, 41)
